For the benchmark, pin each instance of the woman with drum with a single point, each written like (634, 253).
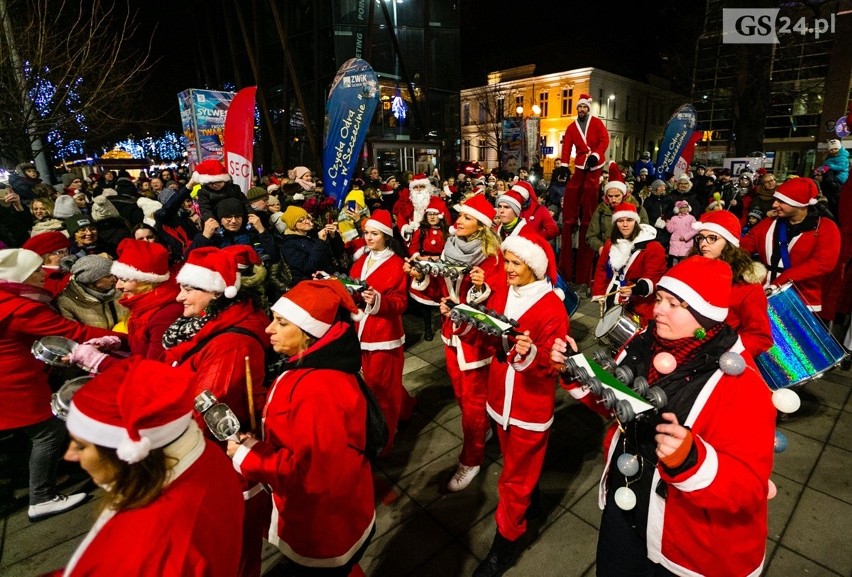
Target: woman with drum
(630, 264)
(521, 395)
(679, 485)
(477, 249)
(311, 452)
(719, 238)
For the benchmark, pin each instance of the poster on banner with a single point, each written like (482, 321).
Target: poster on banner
(239, 137)
(531, 141)
(512, 155)
(677, 135)
(688, 152)
(352, 102)
(203, 116)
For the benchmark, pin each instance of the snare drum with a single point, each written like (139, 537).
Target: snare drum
(803, 348)
(60, 401)
(617, 327)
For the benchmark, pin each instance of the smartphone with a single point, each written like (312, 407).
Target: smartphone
(352, 206)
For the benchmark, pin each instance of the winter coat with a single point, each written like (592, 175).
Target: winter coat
(23, 184)
(838, 163)
(659, 209)
(207, 199)
(263, 243)
(381, 327)
(14, 225)
(112, 230)
(540, 220)
(681, 233)
(305, 255)
(600, 225)
(125, 201)
(102, 311)
(594, 140)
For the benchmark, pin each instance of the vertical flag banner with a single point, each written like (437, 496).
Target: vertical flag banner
(203, 117)
(352, 102)
(678, 133)
(512, 153)
(688, 152)
(239, 137)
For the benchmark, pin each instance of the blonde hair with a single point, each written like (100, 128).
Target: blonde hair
(490, 242)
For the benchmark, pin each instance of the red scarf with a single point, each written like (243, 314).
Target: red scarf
(681, 349)
(143, 306)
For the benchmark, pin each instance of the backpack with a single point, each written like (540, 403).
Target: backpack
(377, 428)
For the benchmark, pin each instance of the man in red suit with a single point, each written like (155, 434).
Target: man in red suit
(588, 136)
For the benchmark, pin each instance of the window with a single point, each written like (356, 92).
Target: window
(542, 103)
(613, 111)
(466, 114)
(501, 106)
(483, 112)
(567, 101)
(483, 150)
(519, 102)
(601, 109)
(466, 149)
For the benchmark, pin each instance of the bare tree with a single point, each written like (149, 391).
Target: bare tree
(488, 118)
(68, 68)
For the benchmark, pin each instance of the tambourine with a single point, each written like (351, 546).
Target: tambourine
(444, 268)
(60, 401)
(640, 400)
(484, 320)
(52, 350)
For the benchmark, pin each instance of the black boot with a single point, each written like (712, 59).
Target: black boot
(500, 558)
(428, 335)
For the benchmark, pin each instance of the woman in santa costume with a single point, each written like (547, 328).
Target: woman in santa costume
(220, 330)
(748, 312)
(475, 246)
(427, 243)
(173, 505)
(521, 395)
(630, 264)
(678, 486)
(380, 328)
(311, 451)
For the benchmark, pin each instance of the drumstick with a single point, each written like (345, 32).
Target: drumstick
(616, 291)
(250, 393)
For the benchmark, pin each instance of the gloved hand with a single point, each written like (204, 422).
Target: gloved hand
(592, 161)
(87, 357)
(107, 343)
(660, 223)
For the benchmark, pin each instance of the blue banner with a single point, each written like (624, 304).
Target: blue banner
(677, 135)
(202, 114)
(351, 104)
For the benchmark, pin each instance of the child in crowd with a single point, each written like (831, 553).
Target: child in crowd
(754, 217)
(680, 228)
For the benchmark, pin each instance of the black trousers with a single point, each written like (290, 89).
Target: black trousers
(622, 552)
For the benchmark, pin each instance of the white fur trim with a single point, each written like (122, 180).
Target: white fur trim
(511, 202)
(625, 214)
(379, 226)
(586, 101)
(791, 202)
(617, 184)
(525, 194)
(125, 271)
(688, 295)
(718, 229)
(131, 451)
(201, 278)
(300, 317)
(475, 214)
(357, 317)
(208, 178)
(705, 474)
(529, 252)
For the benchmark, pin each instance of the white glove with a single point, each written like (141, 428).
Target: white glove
(660, 223)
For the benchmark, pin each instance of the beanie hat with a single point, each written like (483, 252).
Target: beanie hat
(68, 178)
(723, 223)
(799, 192)
(166, 195)
(616, 180)
(133, 407)
(149, 207)
(756, 213)
(381, 220)
(681, 204)
(292, 215)
(513, 199)
(48, 225)
(230, 207)
(17, 264)
(298, 173)
(210, 170)
(65, 207)
(272, 188)
(657, 183)
(525, 189)
(625, 210)
(685, 178)
(91, 268)
(536, 253)
(746, 175)
(834, 145)
(103, 209)
(585, 99)
(702, 283)
(141, 261)
(273, 199)
(211, 269)
(108, 192)
(75, 223)
(46, 242)
(436, 205)
(312, 305)
(256, 193)
(479, 208)
(643, 171)
(357, 195)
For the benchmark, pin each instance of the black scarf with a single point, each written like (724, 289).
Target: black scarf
(184, 328)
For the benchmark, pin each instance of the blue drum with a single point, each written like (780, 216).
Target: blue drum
(803, 349)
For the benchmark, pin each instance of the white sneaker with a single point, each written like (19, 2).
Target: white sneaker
(59, 504)
(488, 434)
(462, 478)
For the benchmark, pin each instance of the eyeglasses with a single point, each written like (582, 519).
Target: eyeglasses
(709, 239)
(236, 217)
(60, 252)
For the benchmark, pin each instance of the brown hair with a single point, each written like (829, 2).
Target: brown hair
(138, 484)
(615, 232)
(741, 263)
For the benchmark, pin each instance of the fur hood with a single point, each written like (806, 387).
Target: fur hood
(756, 273)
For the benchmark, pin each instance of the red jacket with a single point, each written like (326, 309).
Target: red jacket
(381, 327)
(594, 141)
(539, 219)
(24, 390)
(747, 314)
(433, 241)
(813, 256)
(150, 315)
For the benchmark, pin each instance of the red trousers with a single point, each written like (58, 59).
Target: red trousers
(471, 389)
(255, 532)
(578, 204)
(383, 374)
(523, 458)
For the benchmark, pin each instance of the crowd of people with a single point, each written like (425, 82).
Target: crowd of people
(286, 305)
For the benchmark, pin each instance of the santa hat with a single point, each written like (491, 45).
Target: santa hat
(133, 407)
(210, 170)
(435, 205)
(419, 179)
(18, 264)
(141, 260)
(616, 179)
(723, 223)
(46, 242)
(530, 247)
(625, 210)
(272, 188)
(525, 189)
(703, 284)
(479, 208)
(211, 269)
(244, 255)
(149, 207)
(585, 99)
(513, 199)
(312, 305)
(799, 192)
(381, 220)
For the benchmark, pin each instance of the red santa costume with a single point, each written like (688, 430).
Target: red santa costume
(188, 529)
(427, 243)
(589, 139)
(804, 253)
(639, 262)
(409, 209)
(231, 332)
(534, 213)
(520, 387)
(313, 432)
(55, 279)
(467, 356)
(380, 329)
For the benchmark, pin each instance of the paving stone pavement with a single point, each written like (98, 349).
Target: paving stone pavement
(422, 530)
